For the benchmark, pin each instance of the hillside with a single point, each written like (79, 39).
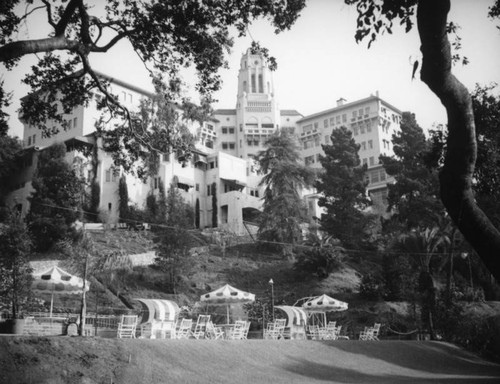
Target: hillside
(125, 361)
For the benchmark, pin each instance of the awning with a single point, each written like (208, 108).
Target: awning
(324, 303)
(183, 180)
(156, 309)
(296, 315)
(234, 182)
(200, 159)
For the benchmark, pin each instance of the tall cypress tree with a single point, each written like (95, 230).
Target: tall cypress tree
(284, 177)
(344, 190)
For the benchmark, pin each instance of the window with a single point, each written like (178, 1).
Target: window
(210, 127)
(209, 144)
(317, 141)
(256, 143)
(354, 114)
(325, 123)
(197, 187)
(370, 144)
(212, 164)
(355, 131)
(74, 122)
(375, 178)
(372, 160)
(363, 145)
(130, 97)
(316, 125)
(362, 129)
(332, 122)
(368, 127)
(360, 112)
(337, 118)
(231, 130)
(166, 157)
(253, 83)
(208, 190)
(241, 127)
(124, 96)
(327, 139)
(367, 110)
(365, 161)
(231, 145)
(382, 175)
(113, 176)
(110, 206)
(224, 130)
(108, 175)
(344, 118)
(261, 84)
(308, 160)
(306, 128)
(224, 145)
(29, 140)
(70, 124)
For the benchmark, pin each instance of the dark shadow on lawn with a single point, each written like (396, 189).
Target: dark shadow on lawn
(315, 371)
(428, 356)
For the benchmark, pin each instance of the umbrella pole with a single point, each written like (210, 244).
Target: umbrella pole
(51, 302)
(227, 309)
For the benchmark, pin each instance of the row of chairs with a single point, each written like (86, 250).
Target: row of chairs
(275, 330)
(370, 333)
(203, 329)
(330, 332)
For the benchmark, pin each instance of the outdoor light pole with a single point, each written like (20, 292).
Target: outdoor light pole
(272, 296)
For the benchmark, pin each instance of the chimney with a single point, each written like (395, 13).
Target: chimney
(341, 102)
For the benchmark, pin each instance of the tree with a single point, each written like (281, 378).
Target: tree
(456, 175)
(123, 199)
(487, 171)
(56, 200)
(414, 198)
(215, 219)
(174, 239)
(15, 270)
(197, 214)
(423, 244)
(166, 36)
(284, 177)
(10, 156)
(343, 188)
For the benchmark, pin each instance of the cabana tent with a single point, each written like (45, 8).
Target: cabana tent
(158, 316)
(296, 321)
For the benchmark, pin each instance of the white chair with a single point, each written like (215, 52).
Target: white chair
(213, 332)
(184, 330)
(238, 331)
(127, 326)
(200, 328)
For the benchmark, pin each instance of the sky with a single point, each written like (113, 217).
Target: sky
(320, 62)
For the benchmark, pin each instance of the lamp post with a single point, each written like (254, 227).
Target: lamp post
(464, 256)
(271, 282)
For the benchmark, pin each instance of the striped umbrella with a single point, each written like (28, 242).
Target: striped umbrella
(57, 281)
(157, 309)
(227, 295)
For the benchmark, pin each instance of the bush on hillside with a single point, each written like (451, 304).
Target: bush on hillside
(318, 261)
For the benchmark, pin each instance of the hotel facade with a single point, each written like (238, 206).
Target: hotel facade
(223, 161)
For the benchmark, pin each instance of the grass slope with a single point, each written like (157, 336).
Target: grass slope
(95, 360)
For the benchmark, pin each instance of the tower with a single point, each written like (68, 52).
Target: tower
(257, 112)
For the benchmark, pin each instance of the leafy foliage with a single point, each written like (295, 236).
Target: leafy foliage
(15, 270)
(166, 37)
(284, 177)
(343, 189)
(56, 200)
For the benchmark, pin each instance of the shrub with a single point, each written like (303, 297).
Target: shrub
(372, 286)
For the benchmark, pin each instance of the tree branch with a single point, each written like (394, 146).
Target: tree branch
(457, 172)
(24, 47)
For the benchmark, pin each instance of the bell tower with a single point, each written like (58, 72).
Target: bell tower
(257, 112)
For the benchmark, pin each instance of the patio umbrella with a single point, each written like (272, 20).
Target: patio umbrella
(57, 281)
(227, 295)
(322, 304)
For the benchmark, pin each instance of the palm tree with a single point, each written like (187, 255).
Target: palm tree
(423, 244)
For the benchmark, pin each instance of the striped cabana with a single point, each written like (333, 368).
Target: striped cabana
(158, 310)
(296, 321)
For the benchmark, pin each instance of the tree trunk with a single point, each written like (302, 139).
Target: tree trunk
(457, 172)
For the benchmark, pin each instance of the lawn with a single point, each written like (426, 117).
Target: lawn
(124, 361)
